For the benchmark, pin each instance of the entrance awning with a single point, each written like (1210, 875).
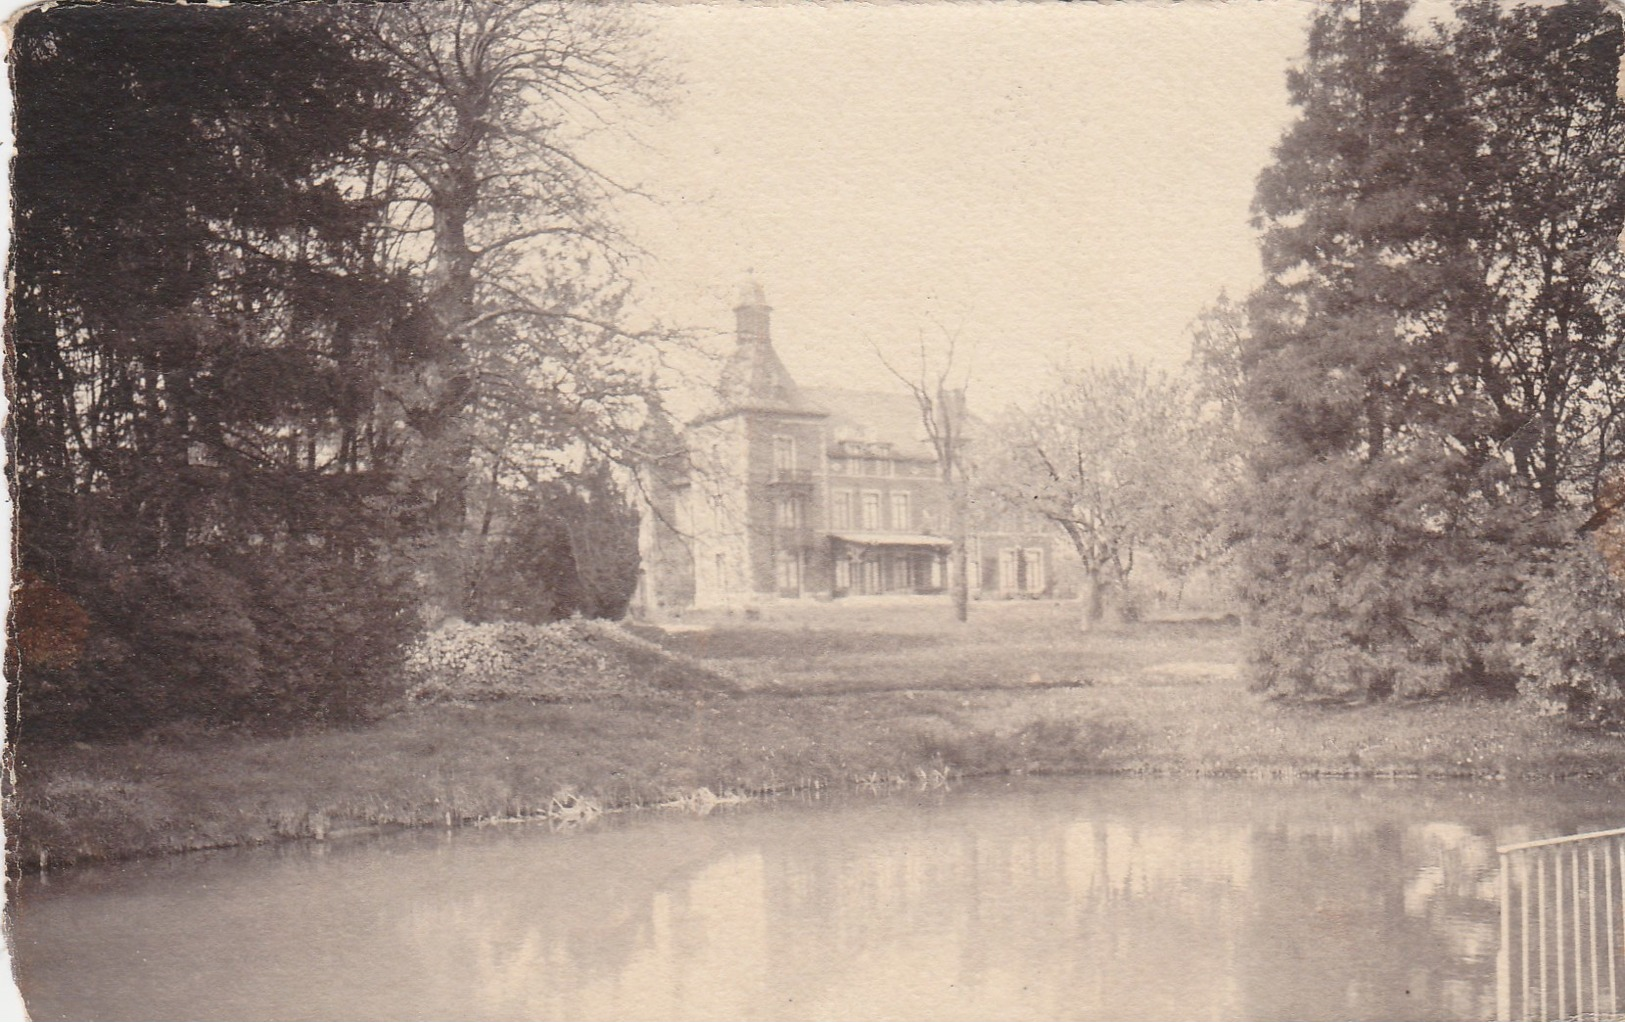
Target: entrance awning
(892, 539)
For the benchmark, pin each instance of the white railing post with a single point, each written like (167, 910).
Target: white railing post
(1591, 905)
(1608, 915)
(1585, 924)
(1503, 961)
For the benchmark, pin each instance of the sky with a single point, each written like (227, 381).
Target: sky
(1054, 184)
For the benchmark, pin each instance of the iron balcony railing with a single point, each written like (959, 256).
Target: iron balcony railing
(792, 476)
(795, 537)
(1562, 924)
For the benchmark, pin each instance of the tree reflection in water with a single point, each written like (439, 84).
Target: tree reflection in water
(1075, 898)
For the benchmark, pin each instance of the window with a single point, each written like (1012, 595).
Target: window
(784, 454)
(871, 511)
(843, 573)
(788, 512)
(901, 521)
(1032, 562)
(841, 509)
(1021, 570)
(1009, 570)
(788, 572)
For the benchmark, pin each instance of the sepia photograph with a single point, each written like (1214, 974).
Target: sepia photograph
(913, 510)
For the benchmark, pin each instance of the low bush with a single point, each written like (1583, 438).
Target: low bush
(563, 661)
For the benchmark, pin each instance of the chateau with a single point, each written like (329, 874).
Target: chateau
(786, 492)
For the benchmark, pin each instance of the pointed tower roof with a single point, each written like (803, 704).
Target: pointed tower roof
(754, 380)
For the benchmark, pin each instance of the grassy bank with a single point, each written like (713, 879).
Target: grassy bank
(830, 696)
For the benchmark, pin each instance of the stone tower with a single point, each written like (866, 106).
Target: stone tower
(758, 456)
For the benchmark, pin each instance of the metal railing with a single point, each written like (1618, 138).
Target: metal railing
(1562, 928)
(795, 537)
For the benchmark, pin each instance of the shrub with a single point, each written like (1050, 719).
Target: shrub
(330, 633)
(571, 548)
(266, 639)
(1574, 619)
(1376, 580)
(164, 640)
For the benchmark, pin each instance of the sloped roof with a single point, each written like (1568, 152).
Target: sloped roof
(874, 417)
(755, 380)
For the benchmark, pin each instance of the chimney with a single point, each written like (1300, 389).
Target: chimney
(752, 314)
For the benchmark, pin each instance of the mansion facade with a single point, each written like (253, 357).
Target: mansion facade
(784, 492)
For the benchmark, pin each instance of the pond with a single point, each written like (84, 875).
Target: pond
(1058, 898)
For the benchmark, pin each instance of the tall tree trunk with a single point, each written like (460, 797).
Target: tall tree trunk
(961, 577)
(1093, 601)
(956, 497)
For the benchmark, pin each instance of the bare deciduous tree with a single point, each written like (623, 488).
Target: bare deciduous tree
(1112, 457)
(528, 365)
(936, 382)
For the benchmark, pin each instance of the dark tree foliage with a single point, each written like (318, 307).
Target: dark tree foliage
(570, 548)
(1548, 199)
(197, 327)
(1363, 239)
(1431, 364)
(1575, 657)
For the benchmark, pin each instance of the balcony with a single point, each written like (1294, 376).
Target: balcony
(795, 537)
(797, 477)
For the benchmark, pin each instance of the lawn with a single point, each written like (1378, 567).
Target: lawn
(876, 645)
(817, 696)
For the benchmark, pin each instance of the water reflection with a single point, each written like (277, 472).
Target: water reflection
(1107, 898)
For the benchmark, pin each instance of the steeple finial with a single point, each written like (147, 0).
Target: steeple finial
(751, 295)
(752, 316)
